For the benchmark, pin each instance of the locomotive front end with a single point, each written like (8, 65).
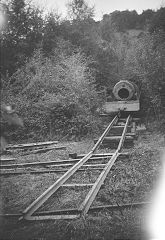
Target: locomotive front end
(125, 98)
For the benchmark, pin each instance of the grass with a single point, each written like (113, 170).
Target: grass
(132, 180)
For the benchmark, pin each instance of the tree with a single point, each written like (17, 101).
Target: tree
(145, 18)
(146, 62)
(106, 28)
(21, 36)
(124, 20)
(158, 21)
(52, 30)
(79, 10)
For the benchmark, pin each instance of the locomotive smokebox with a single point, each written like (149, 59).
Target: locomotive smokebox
(124, 90)
(126, 98)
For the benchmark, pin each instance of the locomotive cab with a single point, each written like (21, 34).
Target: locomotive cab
(125, 98)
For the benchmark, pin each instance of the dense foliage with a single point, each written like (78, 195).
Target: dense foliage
(51, 68)
(55, 96)
(145, 60)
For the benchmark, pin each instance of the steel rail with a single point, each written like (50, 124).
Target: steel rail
(123, 135)
(4, 160)
(84, 207)
(92, 209)
(54, 163)
(28, 145)
(50, 171)
(61, 169)
(67, 165)
(77, 185)
(27, 213)
(99, 156)
(53, 217)
(104, 154)
(38, 150)
(20, 166)
(88, 166)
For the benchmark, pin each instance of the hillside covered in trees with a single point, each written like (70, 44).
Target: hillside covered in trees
(53, 68)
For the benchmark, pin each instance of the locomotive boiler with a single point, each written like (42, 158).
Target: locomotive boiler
(125, 98)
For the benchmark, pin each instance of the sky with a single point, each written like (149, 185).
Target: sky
(104, 6)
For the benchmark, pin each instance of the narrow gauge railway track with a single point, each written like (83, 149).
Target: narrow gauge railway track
(30, 213)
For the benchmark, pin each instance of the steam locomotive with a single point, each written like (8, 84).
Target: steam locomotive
(125, 98)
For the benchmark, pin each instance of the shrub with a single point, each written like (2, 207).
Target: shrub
(145, 62)
(56, 95)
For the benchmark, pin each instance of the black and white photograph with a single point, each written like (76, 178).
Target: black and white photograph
(82, 136)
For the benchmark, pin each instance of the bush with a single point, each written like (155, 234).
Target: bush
(56, 95)
(145, 63)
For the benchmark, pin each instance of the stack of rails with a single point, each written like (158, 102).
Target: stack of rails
(29, 148)
(72, 166)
